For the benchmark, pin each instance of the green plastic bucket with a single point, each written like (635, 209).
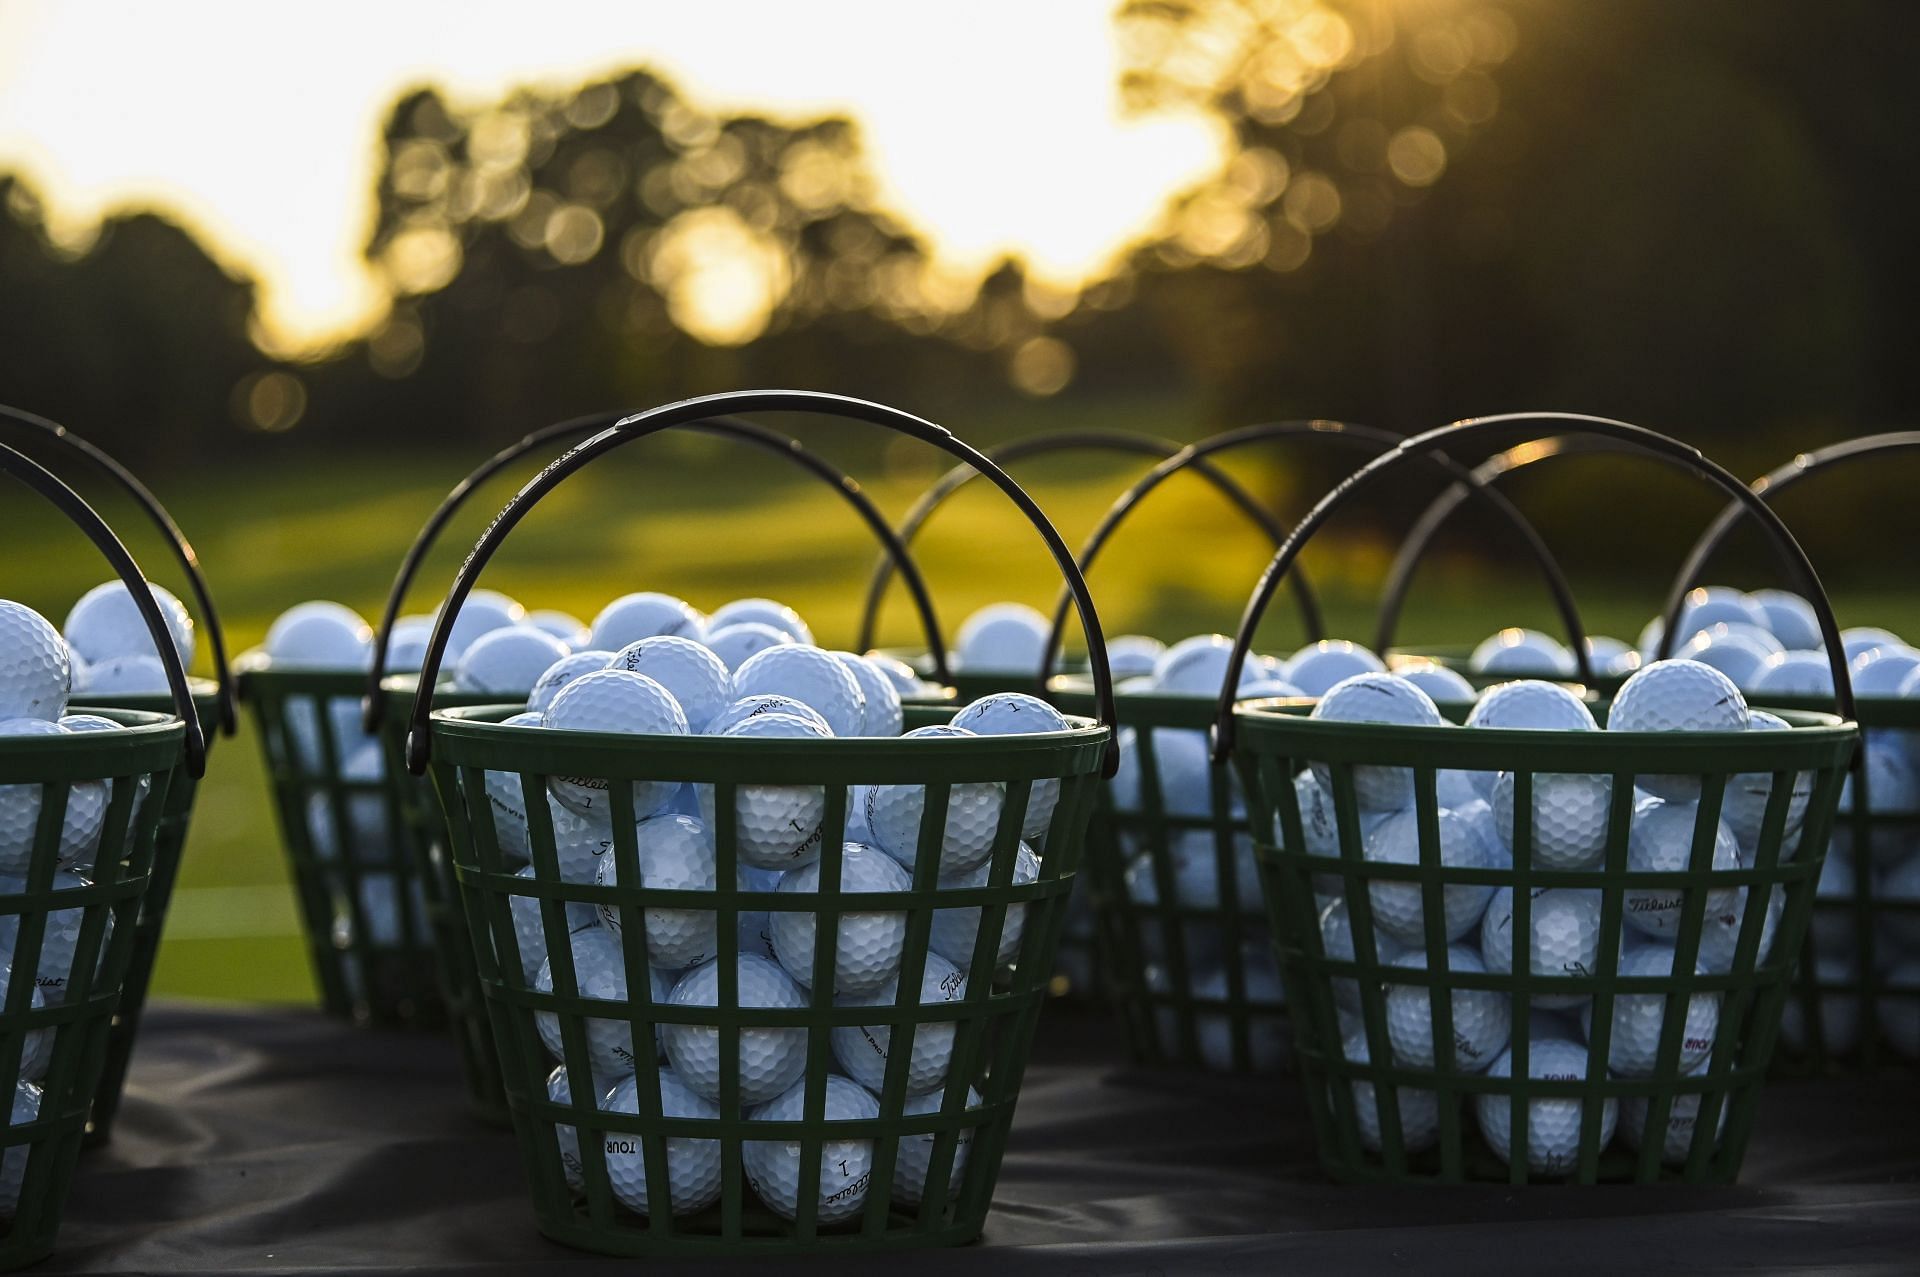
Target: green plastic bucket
(170, 840)
(96, 800)
(914, 1165)
(1397, 1051)
(355, 876)
(419, 824)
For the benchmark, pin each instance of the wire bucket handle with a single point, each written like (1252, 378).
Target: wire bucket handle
(1419, 538)
(1371, 439)
(1123, 442)
(176, 541)
(1803, 466)
(1648, 442)
(84, 517)
(685, 413)
(893, 551)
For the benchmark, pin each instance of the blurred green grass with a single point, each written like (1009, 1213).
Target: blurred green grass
(702, 520)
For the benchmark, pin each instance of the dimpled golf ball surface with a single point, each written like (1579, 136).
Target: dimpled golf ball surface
(895, 813)
(20, 808)
(1638, 1018)
(1661, 841)
(884, 715)
(1677, 696)
(1016, 714)
(1565, 922)
(913, 1163)
(563, 672)
(862, 1050)
(1419, 1110)
(530, 931)
(508, 661)
(690, 671)
(1482, 1022)
(1006, 638)
(765, 612)
(867, 952)
(13, 1163)
(846, 1166)
(1314, 669)
(1437, 681)
(956, 932)
(1553, 1125)
(693, 1165)
(1517, 651)
(673, 854)
(808, 675)
(1744, 805)
(36, 670)
(633, 617)
(614, 701)
(1377, 698)
(320, 635)
(1398, 907)
(775, 826)
(106, 622)
(600, 972)
(1569, 817)
(1131, 655)
(771, 1059)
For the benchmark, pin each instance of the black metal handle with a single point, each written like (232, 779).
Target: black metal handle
(1117, 441)
(69, 503)
(893, 550)
(1650, 442)
(687, 411)
(1803, 466)
(1413, 549)
(176, 541)
(1370, 439)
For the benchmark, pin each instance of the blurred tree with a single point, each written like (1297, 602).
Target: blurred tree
(136, 339)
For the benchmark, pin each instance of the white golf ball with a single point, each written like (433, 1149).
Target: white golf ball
(868, 946)
(808, 675)
(694, 1173)
(1377, 698)
(775, 826)
(1017, 714)
(36, 666)
(610, 701)
(1398, 906)
(1553, 1125)
(770, 1059)
(764, 611)
(1002, 638)
(106, 623)
(895, 813)
(697, 678)
(1314, 669)
(1661, 841)
(1565, 926)
(956, 931)
(846, 1166)
(862, 1050)
(673, 854)
(633, 617)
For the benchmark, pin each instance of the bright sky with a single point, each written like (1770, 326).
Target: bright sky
(994, 125)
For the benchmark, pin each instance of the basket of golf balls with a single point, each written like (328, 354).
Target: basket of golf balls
(81, 795)
(116, 667)
(1541, 936)
(1856, 996)
(527, 662)
(1187, 955)
(355, 876)
(763, 974)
